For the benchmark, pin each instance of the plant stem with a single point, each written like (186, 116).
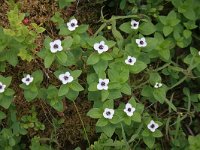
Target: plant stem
(179, 82)
(84, 129)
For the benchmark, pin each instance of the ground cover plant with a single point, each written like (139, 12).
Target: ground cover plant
(100, 75)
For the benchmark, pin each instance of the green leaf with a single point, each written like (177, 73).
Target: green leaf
(102, 122)
(108, 130)
(104, 95)
(93, 59)
(30, 95)
(58, 106)
(159, 94)
(64, 3)
(82, 29)
(76, 86)
(101, 66)
(67, 42)
(157, 134)
(149, 141)
(48, 60)
(72, 95)
(147, 28)
(95, 113)
(2, 115)
(63, 90)
(6, 101)
(24, 55)
(106, 56)
(126, 27)
(62, 57)
(136, 117)
(137, 67)
(38, 76)
(76, 73)
(187, 34)
(126, 89)
(6, 80)
(167, 30)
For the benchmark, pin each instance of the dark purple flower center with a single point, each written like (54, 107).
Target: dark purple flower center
(129, 109)
(66, 77)
(72, 24)
(108, 113)
(1, 86)
(27, 79)
(130, 60)
(141, 42)
(152, 126)
(55, 46)
(103, 83)
(101, 47)
(135, 24)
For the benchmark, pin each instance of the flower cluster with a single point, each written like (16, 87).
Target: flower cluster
(56, 46)
(152, 126)
(134, 24)
(72, 24)
(65, 78)
(103, 84)
(130, 60)
(27, 79)
(141, 42)
(101, 47)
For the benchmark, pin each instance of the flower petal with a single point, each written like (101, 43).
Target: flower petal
(96, 46)
(99, 86)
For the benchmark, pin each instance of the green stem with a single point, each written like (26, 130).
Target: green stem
(82, 123)
(162, 67)
(100, 29)
(179, 82)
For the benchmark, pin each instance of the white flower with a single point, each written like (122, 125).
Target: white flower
(130, 60)
(134, 24)
(100, 47)
(2, 87)
(152, 126)
(199, 52)
(72, 24)
(129, 109)
(108, 113)
(66, 78)
(103, 84)
(27, 79)
(141, 42)
(55, 46)
(157, 85)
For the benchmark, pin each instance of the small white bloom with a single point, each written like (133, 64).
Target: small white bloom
(27, 79)
(66, 78)
(55, 46)
(157, 85)
(199, 52)
(108, 113)
(72, 24)
(101, 47)
(141, 42)
(152, 126)
(134, 24)
(130, 60)
(2, 87)
(129, 109)
(103, 84)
